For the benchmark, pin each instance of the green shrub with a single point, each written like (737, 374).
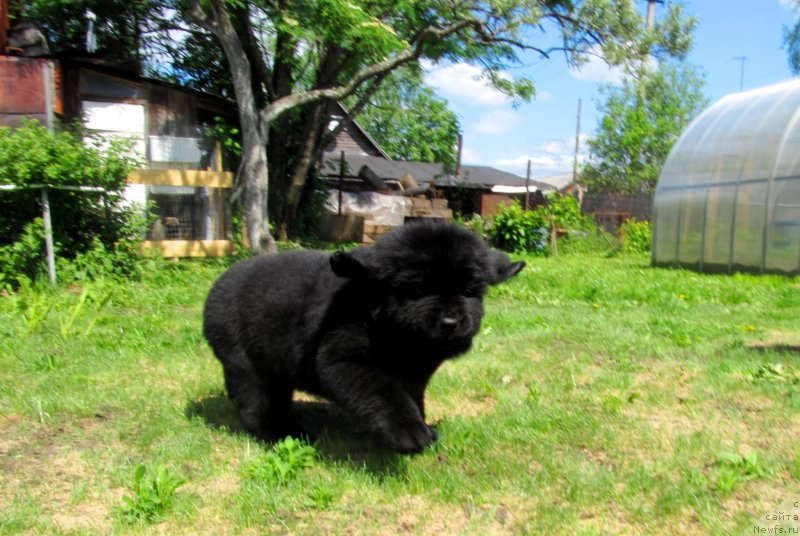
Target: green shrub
(515, 229)
(637, 237)
(33, 155)
(565, 211)
(25, 257)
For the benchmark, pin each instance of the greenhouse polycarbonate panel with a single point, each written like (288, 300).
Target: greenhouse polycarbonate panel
(719, 222)
(728, 198)
(783, 231)
(789, 160)
(748, 230)
(665, 241)
(690, 236)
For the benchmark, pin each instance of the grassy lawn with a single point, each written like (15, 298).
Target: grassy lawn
(602, 397)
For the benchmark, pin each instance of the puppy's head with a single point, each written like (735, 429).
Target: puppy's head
(429, 280)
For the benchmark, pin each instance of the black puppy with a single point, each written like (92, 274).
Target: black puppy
(366, 328)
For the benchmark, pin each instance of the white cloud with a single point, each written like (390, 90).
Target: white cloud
(468, 156)
(788, 4)
(497, 122)
(554, 157)
(597, 70)
(463, 83)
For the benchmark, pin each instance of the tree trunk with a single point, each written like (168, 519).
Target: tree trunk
(255, 177)
(317, 120)
(254, 172)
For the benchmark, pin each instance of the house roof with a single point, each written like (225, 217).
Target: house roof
(482, 177)
(559, 182)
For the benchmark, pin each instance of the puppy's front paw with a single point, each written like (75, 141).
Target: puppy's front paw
(409, 437)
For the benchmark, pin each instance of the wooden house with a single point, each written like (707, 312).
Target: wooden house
(182, 178)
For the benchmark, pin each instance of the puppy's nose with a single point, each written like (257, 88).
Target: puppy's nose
(448, 323)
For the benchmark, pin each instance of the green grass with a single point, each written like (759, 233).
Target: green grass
(603, 396)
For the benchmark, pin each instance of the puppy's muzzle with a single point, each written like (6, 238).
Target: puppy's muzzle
(448, 325)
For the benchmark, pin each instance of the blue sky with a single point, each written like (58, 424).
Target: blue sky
(497, 134)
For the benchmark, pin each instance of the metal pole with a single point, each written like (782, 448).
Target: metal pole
(741, 72)
(48, 237)
(341, 180)
(577, 144)
(527, 187)
(49, 98)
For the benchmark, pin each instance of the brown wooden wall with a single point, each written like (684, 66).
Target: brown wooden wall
(353, 141)
(22, 89)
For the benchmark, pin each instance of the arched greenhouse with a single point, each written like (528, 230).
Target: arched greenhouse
(728, 198)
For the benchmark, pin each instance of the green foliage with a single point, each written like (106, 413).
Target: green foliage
(641, 120)
(153, 495)
(84, 223)
(637, 237)
(31, 154)
(731, 470)
(31, 304)
(515, 229)
(791, 41)
(283, 462)
(26, 256)
(410, 122)
(476, 224)
(564, 212)
(776, 373)
(125, 31)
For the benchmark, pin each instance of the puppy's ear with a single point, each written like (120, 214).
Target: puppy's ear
(502, 268)
(350, 264)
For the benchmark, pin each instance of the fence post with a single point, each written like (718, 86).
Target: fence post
(48, 237)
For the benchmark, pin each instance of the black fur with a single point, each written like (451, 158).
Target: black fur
(365, 328)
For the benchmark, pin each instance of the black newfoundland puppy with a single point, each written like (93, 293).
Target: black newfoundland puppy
(365, 328)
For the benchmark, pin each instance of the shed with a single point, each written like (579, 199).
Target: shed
(728, 197)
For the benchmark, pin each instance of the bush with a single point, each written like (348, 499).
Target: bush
(25, 257)
(517, 230)
(33, 155)
(637, 237)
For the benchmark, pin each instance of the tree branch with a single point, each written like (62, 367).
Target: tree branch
(276, 108)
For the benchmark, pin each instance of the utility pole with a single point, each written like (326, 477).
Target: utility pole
(577, 144)
(741, 59)
(528, 187)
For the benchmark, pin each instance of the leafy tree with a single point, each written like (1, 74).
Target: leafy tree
(125, 31)
(411, 122)
(791, 40)
(302, 56)
(641, 121)
(644, 116)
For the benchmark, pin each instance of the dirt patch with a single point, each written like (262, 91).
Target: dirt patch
(467, 407)
(47, 466)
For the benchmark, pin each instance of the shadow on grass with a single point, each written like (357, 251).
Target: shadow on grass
(781, 348)
(338, 438)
